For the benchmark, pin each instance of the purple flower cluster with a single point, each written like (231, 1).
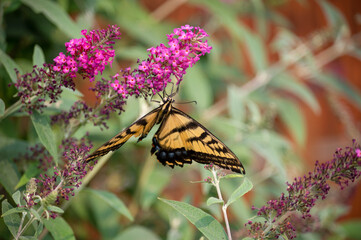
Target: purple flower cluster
(186, 45)
(110, 102)
(59, 182)
(79, 108)
(303, 193)
(89, 55)
(38, 86)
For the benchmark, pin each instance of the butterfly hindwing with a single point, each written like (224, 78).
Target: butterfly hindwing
(181, 139)
(140, 128)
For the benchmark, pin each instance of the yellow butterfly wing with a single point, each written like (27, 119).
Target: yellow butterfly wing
(181, 139)
(140, 128)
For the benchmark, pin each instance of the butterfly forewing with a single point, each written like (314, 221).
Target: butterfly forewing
(181, 139)
(140, 128)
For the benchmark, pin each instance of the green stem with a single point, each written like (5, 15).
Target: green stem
(20, 226)
(10, 110)
(31, 220)
(224, 207)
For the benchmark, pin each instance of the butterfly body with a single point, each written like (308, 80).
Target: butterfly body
(178, 140)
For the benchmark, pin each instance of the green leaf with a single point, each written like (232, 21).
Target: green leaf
(42, 126)
(56, 15)
(213, 200)
(351, 228)
(16, 197)
(12, 221)
(30, 172)
(233, 175)
(9, 175)
(289, 83)
(235, 103)
(228, 17)
(138, 23)
(105, 218)
(55, 209)
(245, 187)
(291, 115)
(28, 238)
(14, 210)
(39, 229)
(204, 222)
(152, 186)
(196, 87)
(341, 86)
(35, 213)
(113, 201)
(10, 66)
(59, 229)
(38, 56)
(333, 15)
(270, 146)
(137, 232)
(2, 107)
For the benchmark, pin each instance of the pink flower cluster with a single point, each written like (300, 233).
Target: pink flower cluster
(88, 55)
(186, 45)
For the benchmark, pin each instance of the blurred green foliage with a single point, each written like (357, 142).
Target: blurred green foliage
(240, 107)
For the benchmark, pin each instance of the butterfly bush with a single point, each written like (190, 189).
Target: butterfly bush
(85, 57)
(56, 182)
(303, 193)
(185, 46)
(150, 76)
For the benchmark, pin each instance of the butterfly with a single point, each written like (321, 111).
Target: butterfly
(178, 140)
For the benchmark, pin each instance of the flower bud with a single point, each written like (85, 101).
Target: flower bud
(31, 186)
(50, 198)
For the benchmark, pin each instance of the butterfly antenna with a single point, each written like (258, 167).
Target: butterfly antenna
(172, 87)
(152, 100)
(176, 91)
(187, 102)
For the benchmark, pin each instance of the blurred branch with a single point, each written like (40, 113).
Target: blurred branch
(339, 48)
(166, 8)
(343, 114)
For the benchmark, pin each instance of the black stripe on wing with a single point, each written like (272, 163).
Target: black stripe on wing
(199, 144)
(139, 128)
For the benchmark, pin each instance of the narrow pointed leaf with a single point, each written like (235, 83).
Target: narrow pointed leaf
(55, 209)
(113, 201)
(16, 197)
(137, 232)
(38, 56)
(14, 210)
(11, 220)
(42, 126)
(9, 65)
(213, 200)
(2, 107)
(204, 222)
(245, 187)
(59, 229)
(56, 15)
(30, 172)
(9, 175)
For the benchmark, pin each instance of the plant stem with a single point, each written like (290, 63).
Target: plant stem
(31, 220)
(224, 207)
(20, 226)
(10, 110)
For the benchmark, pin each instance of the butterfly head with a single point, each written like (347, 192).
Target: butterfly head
(168, 99)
